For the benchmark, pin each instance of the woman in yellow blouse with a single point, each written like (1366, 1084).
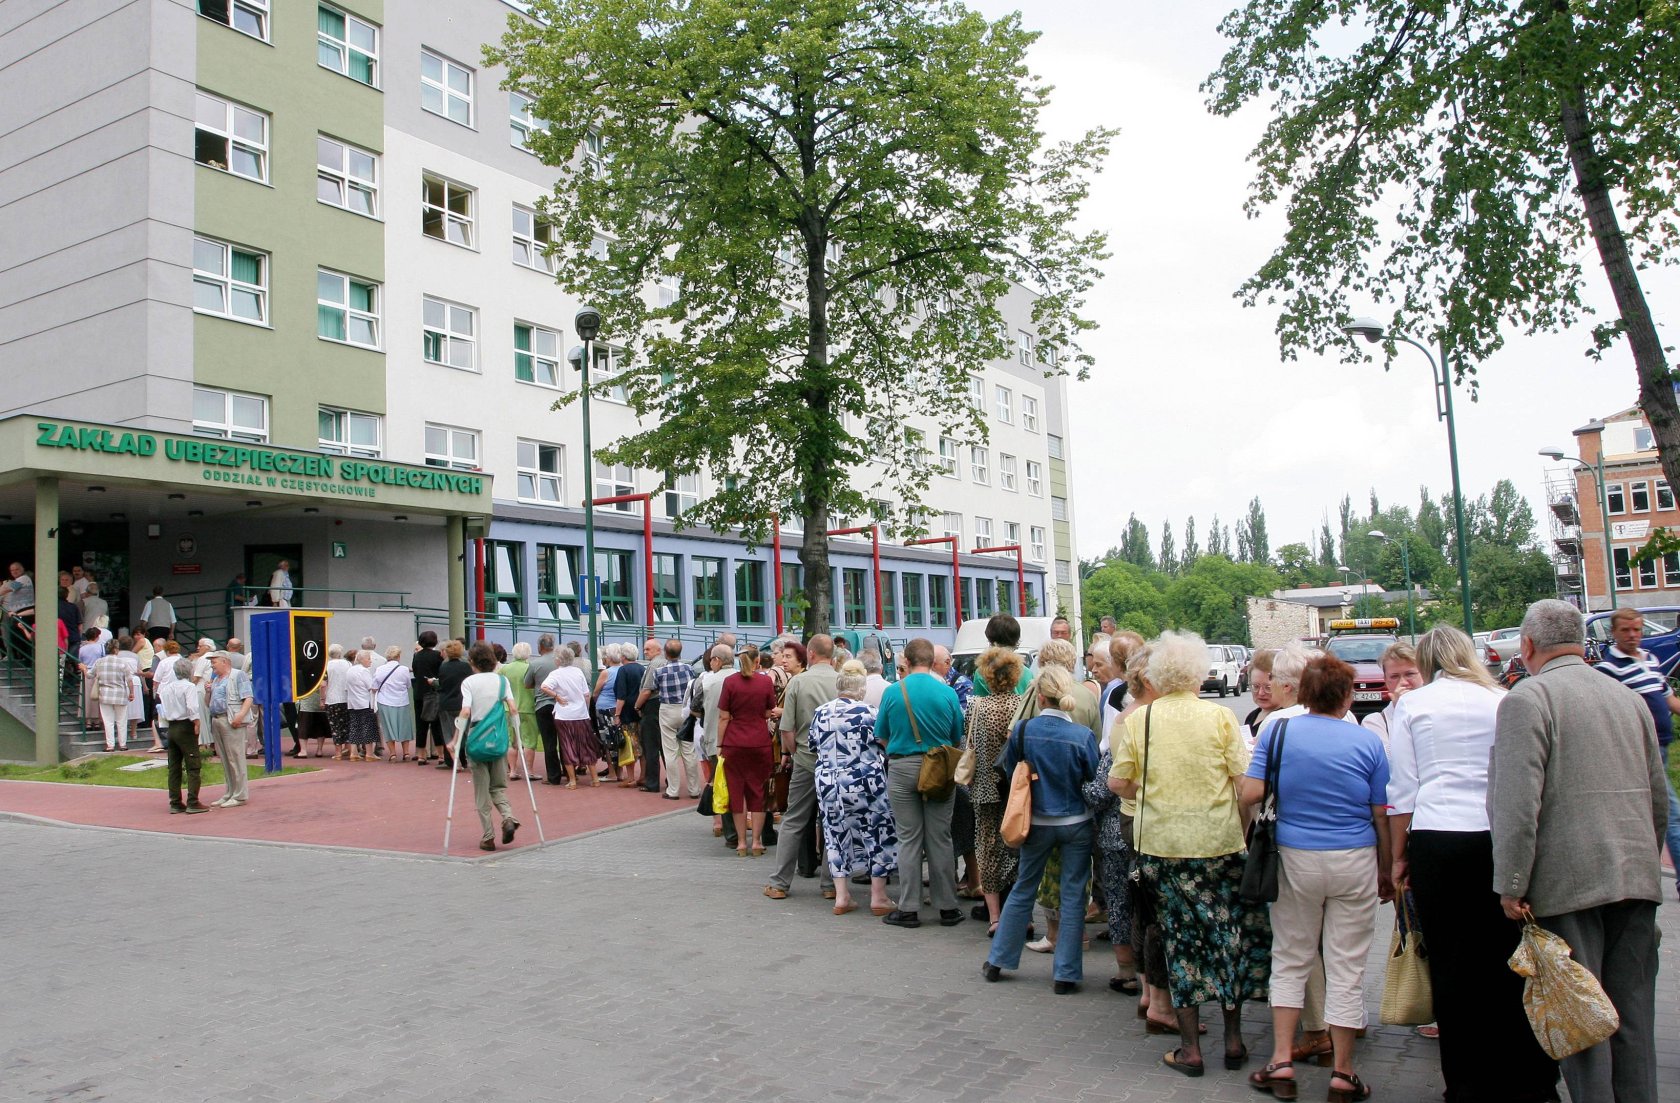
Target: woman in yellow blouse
(1182, 758)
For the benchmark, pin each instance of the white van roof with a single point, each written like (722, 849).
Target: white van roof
(971, 635)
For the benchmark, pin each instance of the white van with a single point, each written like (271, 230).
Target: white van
(1224, 669)
(971, 642)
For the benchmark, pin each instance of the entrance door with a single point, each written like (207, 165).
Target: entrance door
(262, 559)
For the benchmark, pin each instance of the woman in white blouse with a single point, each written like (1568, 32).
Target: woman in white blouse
(1440, 739)
(393, 696)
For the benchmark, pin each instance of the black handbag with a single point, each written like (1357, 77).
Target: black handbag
(1260, 869)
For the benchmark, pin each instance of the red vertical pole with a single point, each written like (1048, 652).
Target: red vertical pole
(956, 585)
(776, 564)
(478, 583)
(875, 551)
(1020, 582)
(647, 555)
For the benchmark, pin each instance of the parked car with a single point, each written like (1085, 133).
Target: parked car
(1245, 659)
(1224, 670)
(971, 642)
(1360, 643)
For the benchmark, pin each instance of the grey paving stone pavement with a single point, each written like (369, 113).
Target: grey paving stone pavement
(636, 964)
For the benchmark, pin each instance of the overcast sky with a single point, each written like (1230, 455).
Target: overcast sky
(1190, 409)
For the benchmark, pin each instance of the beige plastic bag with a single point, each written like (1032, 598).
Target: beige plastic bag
(1408, 998)
(1566, 1006)
(965, 767)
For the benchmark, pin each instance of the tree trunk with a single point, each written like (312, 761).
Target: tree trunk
(1656, 388)
(816, 470)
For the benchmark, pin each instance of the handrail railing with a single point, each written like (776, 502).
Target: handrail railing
(18, 675)
(207, 612)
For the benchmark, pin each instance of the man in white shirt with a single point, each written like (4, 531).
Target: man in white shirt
(231, 709)
(178, 708)
(280, 585)
(875, 685)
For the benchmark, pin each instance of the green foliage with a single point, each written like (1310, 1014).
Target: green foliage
(1169, 555)
(1134, 544)
(1209, 597)
(836, 194)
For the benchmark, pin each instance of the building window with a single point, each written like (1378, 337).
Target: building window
(613, 569)
(1058, 509)
(230, 415)
(346, 309)
(1035, 478)
(667, 588)
(446, 211)
(1035, 536)
(1643, 440)
(346, 176)
(614, 480)
(348, 432)
(245, 16)
(683, 494)
(1029, 413)
(977, 393)
(608, 362)
(557, 581)
(522, 123)
(1006, 596)
(708, 590)
(1024, 348)
(348, 45)
(1647, 574)
(1053, 444)
(939, 608)
(447, 334)
(531, 238)
(1640, 494)
(1005, 405)
(1006, 471)
(978, 462)
(793, 589)
(854, 599)
(541, 472)
(593, 149)
(985, 597)
(1671, 569)
(948, 457)
(889, 599)
(231, 138)
(750, 606)
(912, 600)
(1613, 494)
(230, 282)
(1064, 573)
(982, 532)
(504, 593)
(446, 88)
(448, 446)
(965, 600)
(536, 355)
(1665, 496)
(952, 525)
(1011, 533)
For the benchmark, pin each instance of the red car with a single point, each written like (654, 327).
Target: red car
(1361, 643)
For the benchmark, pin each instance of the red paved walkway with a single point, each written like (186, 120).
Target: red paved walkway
(377, 806)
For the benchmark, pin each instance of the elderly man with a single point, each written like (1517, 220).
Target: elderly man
(725, 639)
(816, 685)
(1578, 805)
(671, 682)
(280, 585)
(1639, 670)
(648, 718)
(231, 709)
(539, 668)
(17, 597)
(875, 685)
(178, 707)
(959, 682)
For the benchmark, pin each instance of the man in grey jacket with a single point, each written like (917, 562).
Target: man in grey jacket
(1578, 806)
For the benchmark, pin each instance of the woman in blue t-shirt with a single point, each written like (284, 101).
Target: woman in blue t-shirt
(1332, 833)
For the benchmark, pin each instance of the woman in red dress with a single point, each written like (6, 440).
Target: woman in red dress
(744, 721)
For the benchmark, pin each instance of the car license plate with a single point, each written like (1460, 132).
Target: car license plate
(1368, 695)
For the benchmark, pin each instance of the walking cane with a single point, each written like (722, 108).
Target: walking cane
(455, 768)
(536, 815)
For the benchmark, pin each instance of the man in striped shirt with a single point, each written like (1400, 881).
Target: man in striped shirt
(1639, 670)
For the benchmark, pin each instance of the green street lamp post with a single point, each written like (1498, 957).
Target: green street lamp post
(1374, 331)
(587, 323)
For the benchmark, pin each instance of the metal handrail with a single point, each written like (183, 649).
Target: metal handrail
(206, 612)
(19, 676)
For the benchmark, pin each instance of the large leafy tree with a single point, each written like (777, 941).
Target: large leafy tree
(836, 195)
(1500, 139)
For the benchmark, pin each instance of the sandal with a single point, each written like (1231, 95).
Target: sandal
(1172, 1062)
(1281, 1087)
(1237, 1060)
(848, 906)
(1318, 1050)
(1359, 1091)
(1153, 1025)
(1126, 986)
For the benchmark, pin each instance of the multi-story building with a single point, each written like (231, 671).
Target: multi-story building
(1637, 500)
(309, 230)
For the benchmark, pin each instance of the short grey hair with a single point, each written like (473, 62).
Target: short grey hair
(724, 652)
(545, 643)
(1550, 624)
(183, 668)
(521, 651)
(871, 660)
(1178, 662)
(1289, 662)
(369, 643)
(850, 684)
(563, 657)
(335, 651)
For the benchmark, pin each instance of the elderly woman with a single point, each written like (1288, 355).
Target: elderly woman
(1063, 756)
(1332, 835)
(1114, 852)
(707, 691)
(744, 743)
(851, 780)
(1260, 689)
(522, 751)
(360, 712)
(1155, 1003)
(115, 690)
(570, 691)
(312, 724)
(1439, 743)
(989, 722)
(393, 696)
(607, 731)
(625, 684)
(335, 690)
(1181, 758)
(451, 674)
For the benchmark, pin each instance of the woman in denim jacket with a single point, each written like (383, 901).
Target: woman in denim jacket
(1064, 755)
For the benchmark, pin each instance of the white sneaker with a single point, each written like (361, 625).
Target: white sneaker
(1041, 946)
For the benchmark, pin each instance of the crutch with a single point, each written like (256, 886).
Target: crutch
(455, 768)
(529, 788)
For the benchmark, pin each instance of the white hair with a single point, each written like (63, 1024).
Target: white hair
(871, 660)
(1178, 662)
(1289, 662)
(335, 651)
(521, 651)
(1550, 624)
